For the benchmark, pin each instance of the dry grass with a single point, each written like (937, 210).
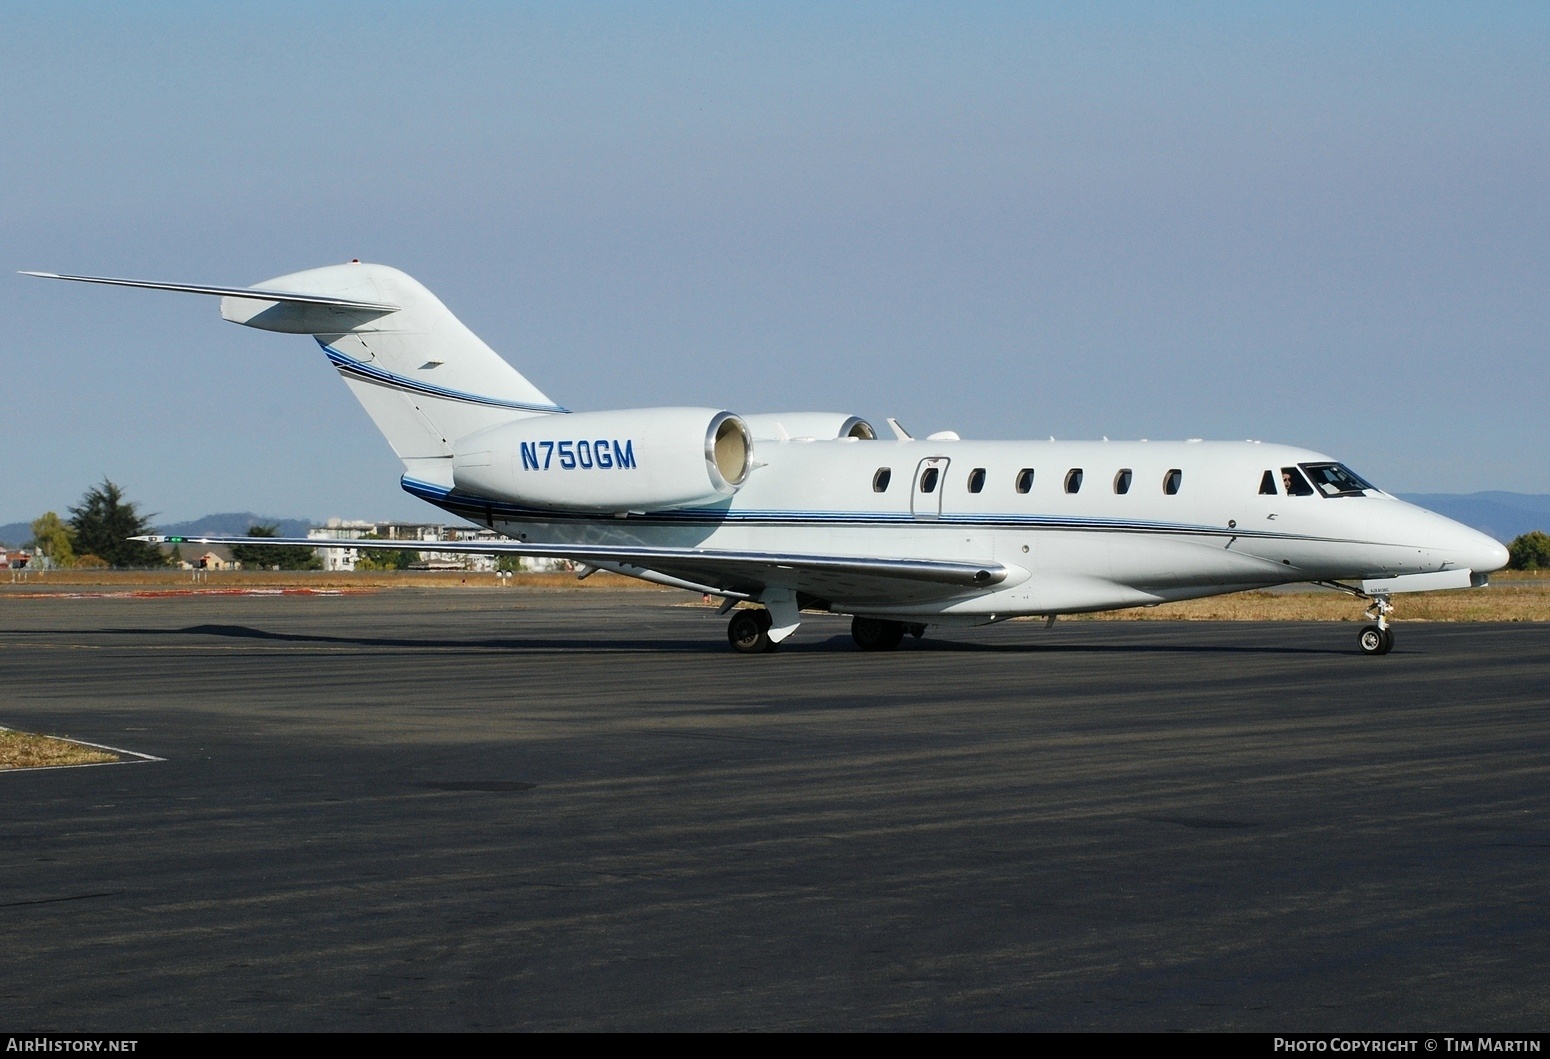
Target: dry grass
(108, 580)
(1511, 596)
(25, 750)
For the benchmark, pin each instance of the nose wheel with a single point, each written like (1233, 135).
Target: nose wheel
(1377, 639)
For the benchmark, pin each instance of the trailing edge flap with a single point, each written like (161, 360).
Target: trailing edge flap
(846, 577)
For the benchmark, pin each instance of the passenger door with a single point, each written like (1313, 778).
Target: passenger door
(926, 493)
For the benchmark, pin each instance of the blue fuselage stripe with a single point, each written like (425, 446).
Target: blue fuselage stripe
(479, 509)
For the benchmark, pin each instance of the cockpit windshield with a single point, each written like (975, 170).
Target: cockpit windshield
(1335, 479)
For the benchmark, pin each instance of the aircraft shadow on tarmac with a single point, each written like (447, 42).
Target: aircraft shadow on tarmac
(605, 644)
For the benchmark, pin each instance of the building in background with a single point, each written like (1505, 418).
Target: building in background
(216, 557)
(420, 533)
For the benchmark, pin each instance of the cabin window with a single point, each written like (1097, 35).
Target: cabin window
(1172, 480)
(977, 480)
(1074, 480)
(1267, 484)
(1122, 481)
(928, 479)
(1025, 480)
(1295, 483)
(881, 478)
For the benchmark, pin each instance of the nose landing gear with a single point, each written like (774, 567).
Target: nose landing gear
(1377, 639)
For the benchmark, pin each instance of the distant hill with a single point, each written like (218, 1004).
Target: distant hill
(1501, 515)
(234, 522)
(16, 534)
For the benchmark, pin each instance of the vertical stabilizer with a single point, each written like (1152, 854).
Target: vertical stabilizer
(424, 378)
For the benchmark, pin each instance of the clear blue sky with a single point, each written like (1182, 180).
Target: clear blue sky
(1325, 225)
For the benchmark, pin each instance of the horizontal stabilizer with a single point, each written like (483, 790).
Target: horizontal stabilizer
(252, 293)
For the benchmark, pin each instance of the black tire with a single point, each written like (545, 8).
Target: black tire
(875, 634)
(1388, 640)
(1374, 641)
(748, 632)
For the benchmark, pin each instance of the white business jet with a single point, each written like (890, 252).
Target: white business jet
(812, 511)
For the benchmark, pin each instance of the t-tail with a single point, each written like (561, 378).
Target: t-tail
(423, 377)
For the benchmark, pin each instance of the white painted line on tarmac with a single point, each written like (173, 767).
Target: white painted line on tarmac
(134, 756)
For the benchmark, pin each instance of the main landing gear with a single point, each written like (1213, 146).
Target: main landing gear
(878, 634)
(749, 632)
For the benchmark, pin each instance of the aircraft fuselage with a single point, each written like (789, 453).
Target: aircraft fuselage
(1191, 520)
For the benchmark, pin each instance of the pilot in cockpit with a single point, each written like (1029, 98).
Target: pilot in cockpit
(1294, 483)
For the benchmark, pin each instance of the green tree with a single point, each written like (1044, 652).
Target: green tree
(1531, 551)
(53, 536)
(274, 556)
(103, 524)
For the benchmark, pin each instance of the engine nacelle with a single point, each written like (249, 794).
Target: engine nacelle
(824, 426)
(635, 459)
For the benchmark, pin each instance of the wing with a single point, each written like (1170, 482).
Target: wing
(853, 579)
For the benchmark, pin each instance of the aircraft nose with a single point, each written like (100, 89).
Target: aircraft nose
(1454, 545)
(1478, 552)
(1492, 555)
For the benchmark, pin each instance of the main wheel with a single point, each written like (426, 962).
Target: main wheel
(875, 634)
(748, 632)
(1374, 641)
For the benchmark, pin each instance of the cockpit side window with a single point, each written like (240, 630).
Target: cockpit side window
(1335, 479)
(1267, 484)
(1294, 483)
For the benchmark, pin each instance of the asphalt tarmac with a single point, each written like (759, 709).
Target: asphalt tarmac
(442, 810)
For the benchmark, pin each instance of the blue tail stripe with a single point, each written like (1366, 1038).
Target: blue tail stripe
(371, 373)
